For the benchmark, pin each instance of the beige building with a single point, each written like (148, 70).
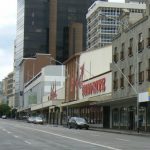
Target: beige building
(131, 75)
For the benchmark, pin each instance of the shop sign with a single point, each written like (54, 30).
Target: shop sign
(53, 93)
(94, 87)
(143, 97)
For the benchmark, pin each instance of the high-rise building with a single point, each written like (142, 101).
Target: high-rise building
(44, 26)
(103, 21)
(135, 1)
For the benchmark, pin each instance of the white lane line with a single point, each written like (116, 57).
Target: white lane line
(122, 139)
(27, 142)
(70, 138)
(4, 129)
(8, 132)
(16, 136)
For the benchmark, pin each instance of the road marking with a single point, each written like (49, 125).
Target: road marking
(16, 136)
(8, 132)
(27, 142)
(4, 129)
(74, 139)
(96, 135)
(122, 139)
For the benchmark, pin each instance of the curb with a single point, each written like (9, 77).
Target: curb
(121, 132)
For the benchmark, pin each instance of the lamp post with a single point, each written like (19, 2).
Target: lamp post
(135, 89)
(66, 76)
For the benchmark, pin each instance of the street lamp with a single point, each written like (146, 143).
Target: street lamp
(66, 76)
(135, 89)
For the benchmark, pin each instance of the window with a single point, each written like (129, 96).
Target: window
(148, 70)
(148, 39)
(122, 79)
(115, 84)
(141, 74)
(140, 43)
(122, 51)
(130, 52)
(115, 55)
(131, 75)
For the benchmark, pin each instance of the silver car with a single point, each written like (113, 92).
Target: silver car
(38, 120)
(31, 119)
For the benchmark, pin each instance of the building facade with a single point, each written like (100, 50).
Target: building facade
(88, 86)
(131, 76)
(103, 21)
(42, 89)
(10, 90)
(135, 1)
(44, 27)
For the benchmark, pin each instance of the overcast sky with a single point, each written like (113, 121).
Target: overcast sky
(8, 11)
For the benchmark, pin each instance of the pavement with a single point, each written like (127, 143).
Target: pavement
(127, 132)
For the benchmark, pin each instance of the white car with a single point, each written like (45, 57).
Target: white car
(38, 120)
(4, 117)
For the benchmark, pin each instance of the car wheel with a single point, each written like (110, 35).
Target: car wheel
(87, 128)
(76, 126)
(69, 126)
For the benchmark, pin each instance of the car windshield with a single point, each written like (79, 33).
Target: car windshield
(80, 120)
(38, 118)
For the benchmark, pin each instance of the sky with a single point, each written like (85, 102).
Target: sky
(8, 12)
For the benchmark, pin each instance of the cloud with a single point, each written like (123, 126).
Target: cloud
(8, 13)
(6, 63)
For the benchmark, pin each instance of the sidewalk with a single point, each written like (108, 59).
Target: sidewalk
(127, 132)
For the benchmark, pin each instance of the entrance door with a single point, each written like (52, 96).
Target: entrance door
(106, 117)
(131, 120)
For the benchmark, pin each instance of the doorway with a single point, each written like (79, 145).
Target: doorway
(106, 117)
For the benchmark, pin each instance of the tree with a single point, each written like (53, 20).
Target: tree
(4, 110)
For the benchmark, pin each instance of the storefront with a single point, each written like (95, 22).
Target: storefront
(124, 114)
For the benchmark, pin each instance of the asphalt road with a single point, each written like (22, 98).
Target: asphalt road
(17, 135)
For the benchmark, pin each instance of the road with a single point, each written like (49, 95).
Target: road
(17, 135)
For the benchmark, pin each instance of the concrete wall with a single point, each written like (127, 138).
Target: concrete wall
(143, 27)
(96, 62)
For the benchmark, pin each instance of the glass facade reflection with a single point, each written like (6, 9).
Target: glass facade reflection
(69, 11)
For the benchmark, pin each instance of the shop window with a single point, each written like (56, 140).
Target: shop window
(123, 117)
(115, 116)
(148, 115)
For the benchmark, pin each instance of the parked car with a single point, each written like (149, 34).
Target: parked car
(4, 117)
(38, 120)
(78, 122)
(30, 119)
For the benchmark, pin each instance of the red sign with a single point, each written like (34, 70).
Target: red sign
(94, 87)
(53, 94)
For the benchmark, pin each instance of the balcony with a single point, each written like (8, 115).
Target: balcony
(121, 55)
(122, 82)
(140, 46)
(148, 75)
(131, 79)
(115, 57)
(141, 77)
(130, 52)
(115, 85)
(148, 42)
